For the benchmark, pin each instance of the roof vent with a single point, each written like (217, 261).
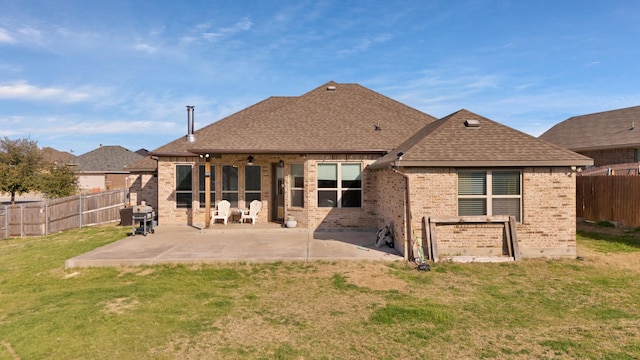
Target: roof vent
(331, 88)
(472, 123)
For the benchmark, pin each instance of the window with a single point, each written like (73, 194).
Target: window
(230, 184)
(252, 184)
(489, 193)
(183, 186)
(339, 185)
(636, 155)
(296, 174)
(201, 186)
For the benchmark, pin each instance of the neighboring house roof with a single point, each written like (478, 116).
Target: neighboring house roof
(604, 130)
(455, 141)
(104, 159)
(146, 164)
(333, 118)
(57, 157)
(142, 152)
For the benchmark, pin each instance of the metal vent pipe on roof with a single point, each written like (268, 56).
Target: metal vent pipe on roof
(191, 137)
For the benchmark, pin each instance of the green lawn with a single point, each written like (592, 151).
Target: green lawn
(533, 309)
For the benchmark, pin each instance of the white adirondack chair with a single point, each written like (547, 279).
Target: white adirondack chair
(221, 212)
(252, 213)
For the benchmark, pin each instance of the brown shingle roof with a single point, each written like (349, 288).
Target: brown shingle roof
(146, 164)
(107, 158)
(449, 142)
(604, 130)
(331, 118)
(57, 157)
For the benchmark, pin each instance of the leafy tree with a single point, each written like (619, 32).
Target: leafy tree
(23, 169)
(20, 165)
(58, 181)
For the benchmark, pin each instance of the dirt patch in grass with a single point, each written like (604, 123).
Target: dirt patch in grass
(121, 305)
(134, 270)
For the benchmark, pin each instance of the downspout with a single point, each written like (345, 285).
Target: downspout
(408, 237)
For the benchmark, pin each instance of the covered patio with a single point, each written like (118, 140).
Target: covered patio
(266, 242)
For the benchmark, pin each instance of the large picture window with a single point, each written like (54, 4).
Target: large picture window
(490, 193)
(340, 185)
(230, 184)
(201, 186)
(252, 184)
(296, 183)
(183, 186)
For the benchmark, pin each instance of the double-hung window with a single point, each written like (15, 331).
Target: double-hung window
(252, 184)
(297, 184)
(230, 184)
(496, 192)
(201, 185)
(183, 186)
(340, 185)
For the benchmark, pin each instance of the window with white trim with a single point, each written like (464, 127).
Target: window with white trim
(340, 185)
(184, 186)
(252, 184)
(491, 192)
(230, 184)
(296, 184)
(201, 185)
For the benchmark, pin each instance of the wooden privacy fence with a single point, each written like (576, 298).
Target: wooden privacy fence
(50, 216)
(610, 198)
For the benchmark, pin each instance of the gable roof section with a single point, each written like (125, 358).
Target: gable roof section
(449, 142)
(112, 158)
(333, 118)
(604, 130)
(145, 164)
(56, 156)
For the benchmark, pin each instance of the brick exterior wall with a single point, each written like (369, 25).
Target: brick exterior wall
(115, 181)
(610, 157)
(143, 187)
(309, 216)
(548, 201)
(547, 228)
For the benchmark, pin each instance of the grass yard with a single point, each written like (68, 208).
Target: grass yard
(533, 309)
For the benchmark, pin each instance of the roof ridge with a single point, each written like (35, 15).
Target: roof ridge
(604, 112)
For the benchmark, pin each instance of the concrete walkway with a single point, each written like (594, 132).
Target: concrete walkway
(235, 243)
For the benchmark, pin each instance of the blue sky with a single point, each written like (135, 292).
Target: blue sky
(77, 74)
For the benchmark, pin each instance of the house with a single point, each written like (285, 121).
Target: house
(467, 165)
(344, 156)
(609, 137)
(56, 157)
(103, 168)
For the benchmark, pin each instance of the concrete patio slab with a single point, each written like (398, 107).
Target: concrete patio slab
(240, 243)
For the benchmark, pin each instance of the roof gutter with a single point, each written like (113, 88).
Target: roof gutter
(197, 152)
(489, 163)
(286, 151)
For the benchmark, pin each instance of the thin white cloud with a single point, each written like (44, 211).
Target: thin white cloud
(244, 24)
(366, 43)
(150, 49)
(30, 35)
(25, 91)
(204, 32)
(5, 37)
